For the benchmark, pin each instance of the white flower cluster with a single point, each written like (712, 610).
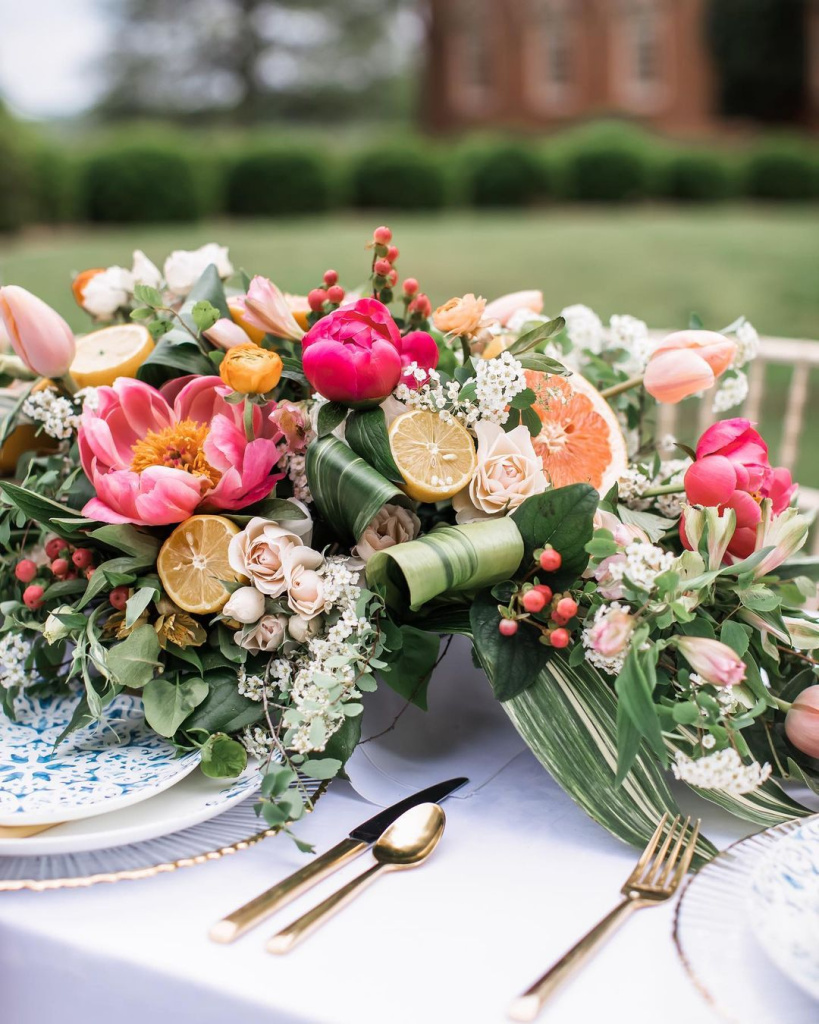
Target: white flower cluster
(14, 652)
(733, 391)
(584, 328)
(252, 687)
(632, 485)
(721, 770)
(642, 564)
(630, 334)
(671, 471)
(640, 478)
(296, 469)
(57, 413)
(612, 664)
(257, 742)
(747, 344)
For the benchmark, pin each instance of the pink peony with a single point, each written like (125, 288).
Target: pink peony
(156, 457)
(732, 471)
(353, 355)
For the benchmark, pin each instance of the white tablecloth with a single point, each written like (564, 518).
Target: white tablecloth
(520, 874)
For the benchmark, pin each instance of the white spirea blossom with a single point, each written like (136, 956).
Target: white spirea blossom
(641, 566)
(733, 391)
(57, 413)
(721, 770)
(257, 742)
(631, 487)
(14, 651)
(614, 664)
(628, 333)
(252, 687)
(584, 328)
(747, 344)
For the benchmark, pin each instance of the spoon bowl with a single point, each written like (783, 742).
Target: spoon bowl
(411, 838)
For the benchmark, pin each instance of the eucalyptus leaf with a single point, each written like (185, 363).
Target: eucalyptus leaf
(168, 704)
(133, 661)
(222, 757)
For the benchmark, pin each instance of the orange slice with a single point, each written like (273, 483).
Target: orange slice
(113, 352)
(193, 561)
(436, 459)
(580, 440)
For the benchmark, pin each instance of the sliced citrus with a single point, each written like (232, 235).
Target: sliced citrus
(436, 459)
(580, 440)
(193, 561)
(113, 352)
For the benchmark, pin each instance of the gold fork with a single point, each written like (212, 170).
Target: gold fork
(655, 878)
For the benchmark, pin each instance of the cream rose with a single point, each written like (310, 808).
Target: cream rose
(302, 629)
(144, 271)
(509, 471)
(460, 316)
(183, 268)
(391, 525)
(305, 588)
(259, 552)
(266, 635)
(245, 605)
(107, 292)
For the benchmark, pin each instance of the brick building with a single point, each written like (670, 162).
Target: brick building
(538, 64)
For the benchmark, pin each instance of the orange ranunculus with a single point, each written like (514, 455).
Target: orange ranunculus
(78, 285)
(460, 316)
(251, 370)
(687, 362)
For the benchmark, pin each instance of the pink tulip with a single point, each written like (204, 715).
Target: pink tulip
(353, 355)
(39, 335)
(226, 334)
(266, 308)
(715, 661)
(802, 722)
(418, 347)
(154, 463)
(687, 362)
(503, 308)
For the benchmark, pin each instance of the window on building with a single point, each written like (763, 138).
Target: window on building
(639, 59)
(549, 53)
(471, 69)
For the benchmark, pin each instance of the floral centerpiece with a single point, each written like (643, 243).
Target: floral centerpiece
(253, 508)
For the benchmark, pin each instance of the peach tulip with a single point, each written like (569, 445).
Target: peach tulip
(687, 362)
(502, 308)
(802, 722)
(38, 334)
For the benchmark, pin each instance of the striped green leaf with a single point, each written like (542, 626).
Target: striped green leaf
(347, 491)
(768, 805)
(450, 559)
(568, 717)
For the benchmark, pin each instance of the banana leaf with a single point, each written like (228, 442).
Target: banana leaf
(568, 719)
(450, 559)
(768, 805)
(347, 490)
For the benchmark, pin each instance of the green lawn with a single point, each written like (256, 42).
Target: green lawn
(660, 264)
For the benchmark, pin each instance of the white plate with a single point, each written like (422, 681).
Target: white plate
(194, 800)
(783, 905)
(96, 769)
(717, 945)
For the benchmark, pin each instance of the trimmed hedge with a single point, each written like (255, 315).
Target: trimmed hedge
(781, 174)
(398, 178)
(275, 182)
(607, 173)
(15, 199)
(696, 177)
(505, 174)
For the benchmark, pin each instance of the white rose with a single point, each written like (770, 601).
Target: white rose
(144, 271)
(183, 268)
(391, 525)
(266, 635)
(107, 292)
(245, 605)
(305, 588)
(259, 552)
(302, 629)
(509, 471)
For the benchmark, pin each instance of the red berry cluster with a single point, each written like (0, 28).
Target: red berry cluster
(66, 562)
(328, 297)
(538, 605)
(384, 274)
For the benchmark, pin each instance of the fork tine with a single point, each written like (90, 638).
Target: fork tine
(658, 861)
(668, 866)
(687, 857)
(645, 856)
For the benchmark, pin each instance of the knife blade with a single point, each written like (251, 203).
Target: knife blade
(358, 840)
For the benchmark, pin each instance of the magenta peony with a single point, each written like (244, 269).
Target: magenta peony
(418, 347)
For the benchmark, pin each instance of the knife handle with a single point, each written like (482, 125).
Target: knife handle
(266, 903)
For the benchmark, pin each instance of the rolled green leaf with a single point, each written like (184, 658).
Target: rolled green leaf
(347, 490)
(451, 558)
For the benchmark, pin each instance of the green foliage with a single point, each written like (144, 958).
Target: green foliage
(696, 177)
(168, 704)
(409, 668)
(607, 172)
(278, 182)
(784, 173)
(134, 661)
(505, 174)
(366, 433)
(224, 709)
(222, 757)
(14, 191)
(511, 663)
(398, 178)
(561, 517)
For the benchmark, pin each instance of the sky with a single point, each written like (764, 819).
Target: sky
(49, 55)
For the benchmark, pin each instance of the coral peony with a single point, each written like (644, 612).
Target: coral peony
(687, 362)
(353, 355)
(155, 458)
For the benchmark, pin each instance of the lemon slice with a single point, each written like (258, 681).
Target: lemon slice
(193, 561)
(436, 459)
(113, 352)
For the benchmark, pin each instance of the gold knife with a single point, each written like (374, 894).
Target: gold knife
(359, 840)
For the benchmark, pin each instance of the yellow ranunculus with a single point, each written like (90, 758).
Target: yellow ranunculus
(251, 370)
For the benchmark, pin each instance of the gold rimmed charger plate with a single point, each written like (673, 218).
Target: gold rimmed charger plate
(717, 947)
(235, 830)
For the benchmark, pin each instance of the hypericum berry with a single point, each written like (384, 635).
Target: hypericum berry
(410, 286)
(82, 558)
(421, 305)
(567, 607)
(507, 627)
(392, 253)
(546, 591)
(25, 570)
(71, 575)
(533, 601)
(89, 572)
(54, 547)
(330, 277)
(559, 638)
(558, 619)
(33, 596)
(316, 299)
(392, 277)
(119, 597)
(550, 560)
(382, 235)
(382, 267)
(335, 293)
(59, 566)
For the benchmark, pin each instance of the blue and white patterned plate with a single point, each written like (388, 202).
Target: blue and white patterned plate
(97, 769)
(783, 905)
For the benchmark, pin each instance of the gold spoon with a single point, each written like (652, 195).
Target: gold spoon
(407, 842)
